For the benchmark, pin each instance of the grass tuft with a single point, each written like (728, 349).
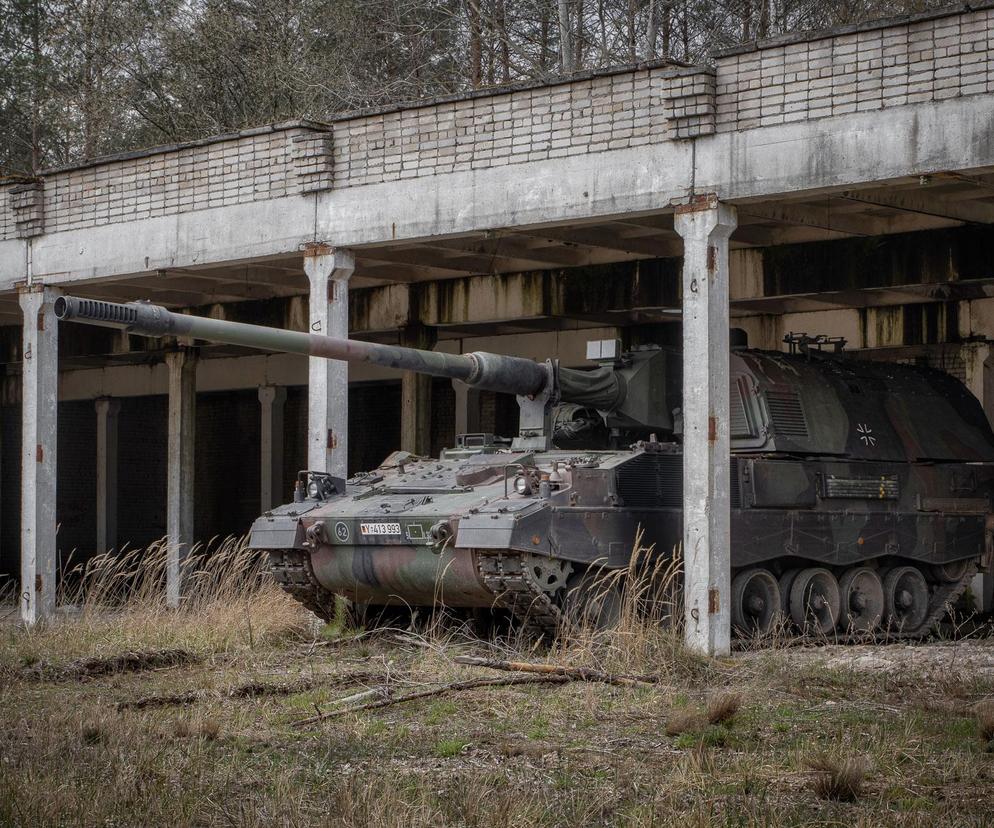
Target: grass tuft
(447, 748)
(684, 721)
(117, 618)
(838, 779)
(723, 707)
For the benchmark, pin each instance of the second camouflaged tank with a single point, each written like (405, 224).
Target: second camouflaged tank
(860, 491)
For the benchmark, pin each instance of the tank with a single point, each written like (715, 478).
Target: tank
(860, 491)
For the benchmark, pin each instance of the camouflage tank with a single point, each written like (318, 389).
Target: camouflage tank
(860, 491)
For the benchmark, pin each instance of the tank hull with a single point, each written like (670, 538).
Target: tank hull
(788, 514)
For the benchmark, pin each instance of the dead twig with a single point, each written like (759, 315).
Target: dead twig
(454, 687)
(574, 673)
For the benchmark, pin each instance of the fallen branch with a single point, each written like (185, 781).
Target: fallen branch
(437, 691)
(574, 673)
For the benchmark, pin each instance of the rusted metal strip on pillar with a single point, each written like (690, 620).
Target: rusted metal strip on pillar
(706, 225)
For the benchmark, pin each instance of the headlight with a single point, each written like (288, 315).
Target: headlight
(522, 485)
(314, 490)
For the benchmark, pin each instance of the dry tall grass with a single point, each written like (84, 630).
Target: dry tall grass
(647, 636)
(117, 602)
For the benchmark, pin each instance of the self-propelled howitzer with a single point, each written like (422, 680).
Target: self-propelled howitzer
(860, 491)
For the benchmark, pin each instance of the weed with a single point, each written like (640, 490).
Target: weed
(189, 727)
(723, 707)
(447, 748)
(92, 733)
(837, 778)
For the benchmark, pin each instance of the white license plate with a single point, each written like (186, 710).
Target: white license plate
(379, 528)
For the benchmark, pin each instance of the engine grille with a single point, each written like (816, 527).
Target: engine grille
(866, 488)
(787, 414)
(655, 481)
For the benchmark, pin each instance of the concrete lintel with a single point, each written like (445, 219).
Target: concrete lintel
(107, 413)
(328, 270)
(706, 457)
(39, 552)
(182, 366)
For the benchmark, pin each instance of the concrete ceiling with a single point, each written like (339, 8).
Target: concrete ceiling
(908, 205)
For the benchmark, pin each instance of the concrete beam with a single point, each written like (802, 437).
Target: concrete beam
(107, 416)
(235, 233)
(272, 403)
(641, 246)
(328, 270)
(39, 442)
(182, 366)
(706, 228)
(922, 203)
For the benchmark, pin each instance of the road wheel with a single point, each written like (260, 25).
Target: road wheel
(814, 600)
(755, 602)
(862, 599)
(594, 599)
(905, 598)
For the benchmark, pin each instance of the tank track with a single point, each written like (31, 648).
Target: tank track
(506, 576)
(514, 590)
(943, 600)
(292, 570)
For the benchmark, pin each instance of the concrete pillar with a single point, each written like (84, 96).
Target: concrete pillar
(182, 366)
(415, 393)
(39, 433)
(272, 402)
(705, 227)
(467, 408)
(107, 411)
(328, 270)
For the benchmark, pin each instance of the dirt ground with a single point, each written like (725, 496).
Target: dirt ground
(194, 719)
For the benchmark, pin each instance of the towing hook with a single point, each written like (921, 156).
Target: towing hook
(314, 535)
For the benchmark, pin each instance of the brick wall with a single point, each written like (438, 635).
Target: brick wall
(7, 228)
(253, 165)
(928, 59)
(612, 111)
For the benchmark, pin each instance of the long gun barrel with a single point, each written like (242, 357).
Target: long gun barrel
(489, 372)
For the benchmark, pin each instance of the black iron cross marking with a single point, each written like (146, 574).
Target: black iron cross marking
(866, 434)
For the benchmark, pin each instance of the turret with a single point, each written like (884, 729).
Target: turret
(538, 386)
